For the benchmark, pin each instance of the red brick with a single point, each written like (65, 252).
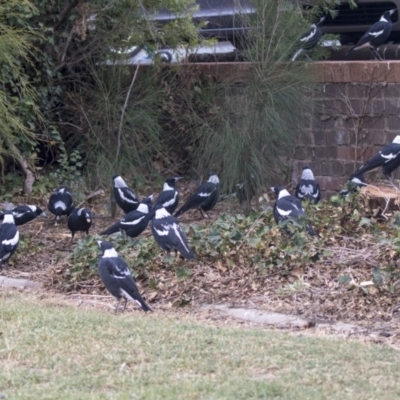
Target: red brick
(393, 123)
(332, 183)
(325, 152)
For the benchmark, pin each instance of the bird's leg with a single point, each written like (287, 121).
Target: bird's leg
(390, 179)
(126, 301)
(376, 54)
(117, 306)
(307, 56)
(201, 212)
(72, 237)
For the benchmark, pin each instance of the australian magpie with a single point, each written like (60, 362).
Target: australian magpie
(288, 208)
(169, 197)
(388, 158)
(353, 184)
(168, 234)
(376, 35)
(205, 198)
(61, 202)
(309, 39)
(80, 219)
(124, 196)
(308, 188)
(117, 278)
(135, 222)
(25, 214)
(9, 238)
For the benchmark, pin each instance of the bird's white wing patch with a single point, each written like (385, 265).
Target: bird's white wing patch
(131, 199)
(134, 222)
(33, 208)
(11, 242)
(178, 233)
(204, 194)
(18, 215)
(308, 37)
(389, 157)
(307, 189)
(170, 202)
(123, 272)
(375, 34)
(163, 232)
(283, 212)
(60, 204)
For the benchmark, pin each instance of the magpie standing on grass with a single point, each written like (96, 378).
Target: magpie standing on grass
(135, 222)
(168, 234)
(61, 202)
(205, 197)
(376, 35)
(353, 184)
(308, 188)
(81, 220)
(388, 158)
(309, 40)
(25, 214)
(124, 196)
(9, 238)
(288, 208)
(117, 278)
(169, 197)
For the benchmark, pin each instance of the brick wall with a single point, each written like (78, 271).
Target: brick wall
(356, 112)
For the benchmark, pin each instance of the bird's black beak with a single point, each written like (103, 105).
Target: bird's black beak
(178, 178)
(391, 12)
(272, 188)
(43, 214)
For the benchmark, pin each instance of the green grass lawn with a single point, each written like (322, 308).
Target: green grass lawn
(55, 352)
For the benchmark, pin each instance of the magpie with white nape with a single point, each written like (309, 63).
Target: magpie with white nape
(169, 197)
(80, 220)
(388, 158)
(288, 208)
(376, 35)
(117, 278)
(124, 196)
(308, 188)
(134, 223)
(25, 214)
(9, 238)
(205, 197)
(309, 39)
(60, 202)
(168, 234)
(352, 185)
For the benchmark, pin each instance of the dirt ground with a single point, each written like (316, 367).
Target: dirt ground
(312, 294)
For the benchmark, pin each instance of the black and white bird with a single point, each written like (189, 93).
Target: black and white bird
(25, 214)
(9, 238)
(309, 39)
(61, 202)
(80, 220)
(353, 184)
(388, 158)
(169, 197)
(135, 222)
(308, 188)
(288, 208)
(117, 278)
(168, 234)
(205, 197)
(124, 196)
(376, 35)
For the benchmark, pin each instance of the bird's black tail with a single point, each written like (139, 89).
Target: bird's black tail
(143, 304)
(112, 229)
(310, 230)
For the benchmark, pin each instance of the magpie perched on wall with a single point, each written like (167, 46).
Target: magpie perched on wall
(117, 278)
(80, 219)
(9, 238)
(205, 197)
(168, 234)
(25, 214)
(376, 35)
(309, 39)
(388, 158)
(60, 202)
(135, 222)
(353, 184)
(308, 188)
(169, 197)
(288, 208)
(124, 196)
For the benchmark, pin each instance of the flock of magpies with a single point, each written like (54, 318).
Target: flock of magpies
(375, 36)
(114, 271)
